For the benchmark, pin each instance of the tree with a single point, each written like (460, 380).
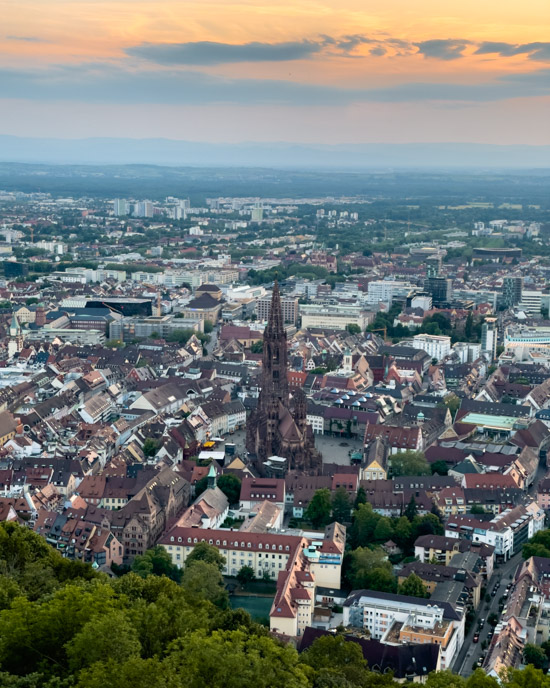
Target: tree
(230, 485)
(492, 619)
(361, 497)
(341, 505)
(409, 463)
(402, 532)
(200, 486)
(469, 326)
(370, 568)
(384, 530)
(352, 328)
(245, 575)
(319, 509)
(364, 523)
(477, 509)
(338, 656)
(208, 327)
(537, 545)
(202, 580)
(439, 467)
(257, 347)
(150, 447)
(452, 402)
(156, 562)
(412, 509)
(210, 554)
(109, 636)
(413, 586)
(429, 524)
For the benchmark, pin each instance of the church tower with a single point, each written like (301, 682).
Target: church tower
(15, 342)
(274, 428)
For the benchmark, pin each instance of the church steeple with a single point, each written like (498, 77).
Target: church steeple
(275, 324)
(275, 355)
(211, 480)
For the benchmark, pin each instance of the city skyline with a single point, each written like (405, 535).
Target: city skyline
(313, 72)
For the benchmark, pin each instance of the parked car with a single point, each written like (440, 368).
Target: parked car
(476, 637)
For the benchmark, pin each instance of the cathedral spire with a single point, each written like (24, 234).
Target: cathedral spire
(275, 324)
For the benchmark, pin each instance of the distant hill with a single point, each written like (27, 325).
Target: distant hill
(279, 155)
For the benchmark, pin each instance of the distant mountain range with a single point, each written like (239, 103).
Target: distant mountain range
(367, 156)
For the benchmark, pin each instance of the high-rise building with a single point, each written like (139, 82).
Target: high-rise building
(489, 335)
(512, 288)
(440, 288)
(257, 214)
(120, 207)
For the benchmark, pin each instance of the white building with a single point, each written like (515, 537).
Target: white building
(398, 619)
(436, 346)
(333, 316)
(386, 290)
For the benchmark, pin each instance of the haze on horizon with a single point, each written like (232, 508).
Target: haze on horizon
(314, 71)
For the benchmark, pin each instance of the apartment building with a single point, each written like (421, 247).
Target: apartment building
(437, 346)
(397, 619)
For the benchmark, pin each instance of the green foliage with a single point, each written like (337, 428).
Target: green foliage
(87, 631)
(245, 575)
(335, 656)
(409, 463)
(477, 509)
(201, 485)
(150, 447)
(156, 562)
(370, 569)
(180, 336)
(257, 347)
(538, 545)
(206, 553)
(439, 467)
(413, 586)
(352, 328)
(319, 509)
(204, 581)
(341, 505)
(29, 566)
(361, 497)
(230, 485)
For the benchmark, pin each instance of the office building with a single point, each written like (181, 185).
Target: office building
(512, 288)
(289, 305)
(334, 316)
(440, 288)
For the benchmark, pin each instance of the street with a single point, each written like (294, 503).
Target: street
(470, 652)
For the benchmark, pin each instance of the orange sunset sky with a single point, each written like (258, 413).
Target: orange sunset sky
(327, 71)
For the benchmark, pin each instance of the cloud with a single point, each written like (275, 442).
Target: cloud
(202, 53)
(443, 49)
(27, 39)
(535, 51)
(108, 83)
(207, 53)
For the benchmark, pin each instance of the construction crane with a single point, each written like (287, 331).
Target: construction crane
(381, 329)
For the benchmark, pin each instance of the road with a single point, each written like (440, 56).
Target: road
(470, 652)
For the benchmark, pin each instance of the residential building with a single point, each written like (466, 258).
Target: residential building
(398, 619)
(437, 346)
